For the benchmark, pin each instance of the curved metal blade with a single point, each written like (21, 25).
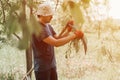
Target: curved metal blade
(85, 44)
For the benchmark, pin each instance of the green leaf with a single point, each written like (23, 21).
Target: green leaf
(76, 13)
(34, 26)
(23, 43)
(11, 25)
(86, 1)
(64, 6)
(31, 4)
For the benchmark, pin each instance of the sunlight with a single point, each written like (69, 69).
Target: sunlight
(114, 12)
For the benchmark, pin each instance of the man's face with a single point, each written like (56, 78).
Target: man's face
(46, 19)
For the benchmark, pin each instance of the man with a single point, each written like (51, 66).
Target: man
(43, 44)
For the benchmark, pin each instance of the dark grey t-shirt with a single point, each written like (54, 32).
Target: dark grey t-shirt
(44, 58)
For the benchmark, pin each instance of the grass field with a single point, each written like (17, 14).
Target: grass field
(12, 63)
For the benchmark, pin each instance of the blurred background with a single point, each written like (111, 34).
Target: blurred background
(98, 19)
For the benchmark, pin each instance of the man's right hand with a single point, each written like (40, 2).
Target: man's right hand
(79, 34)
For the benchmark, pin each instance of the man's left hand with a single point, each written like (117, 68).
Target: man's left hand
(69, 25)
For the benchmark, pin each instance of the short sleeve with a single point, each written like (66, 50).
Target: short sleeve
(44, 33)
(52, 30)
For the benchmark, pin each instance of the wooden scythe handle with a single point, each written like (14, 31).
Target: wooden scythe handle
(83, 39)
(62, 31)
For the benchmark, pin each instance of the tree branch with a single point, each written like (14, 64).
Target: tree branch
(17, 36)
(57, 4)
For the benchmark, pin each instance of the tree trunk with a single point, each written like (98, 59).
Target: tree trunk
(29, 60)
(29, 49)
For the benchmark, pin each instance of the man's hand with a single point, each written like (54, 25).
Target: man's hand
(79, 34)
(69, 25)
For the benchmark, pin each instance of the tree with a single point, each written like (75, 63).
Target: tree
(14, 20)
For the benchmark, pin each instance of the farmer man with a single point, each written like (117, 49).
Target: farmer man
(43, 44)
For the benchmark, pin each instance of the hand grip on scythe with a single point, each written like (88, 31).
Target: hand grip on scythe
(82, 39)
(61, 33)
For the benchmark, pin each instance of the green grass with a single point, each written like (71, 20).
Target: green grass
(12, 63)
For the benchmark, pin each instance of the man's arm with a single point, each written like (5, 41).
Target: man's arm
(66, 30)
(59, 41)
(61, 36)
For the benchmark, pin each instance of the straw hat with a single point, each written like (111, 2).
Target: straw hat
(45, 10)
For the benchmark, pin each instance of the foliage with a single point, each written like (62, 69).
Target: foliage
(15, 19)
(75, 11)
(8, 76)
(86, 1)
